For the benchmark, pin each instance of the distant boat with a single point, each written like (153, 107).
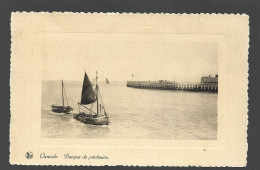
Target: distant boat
(90, 98)
(107, 82)
(62, 109)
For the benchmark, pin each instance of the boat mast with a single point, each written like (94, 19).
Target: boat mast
(62, 93)
(65, 95)
(97, 93)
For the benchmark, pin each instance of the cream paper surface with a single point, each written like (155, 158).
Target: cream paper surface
(31, 33)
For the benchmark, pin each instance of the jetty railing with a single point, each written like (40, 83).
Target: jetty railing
(171, 85)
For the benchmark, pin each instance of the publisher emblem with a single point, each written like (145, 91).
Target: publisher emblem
(29, 155)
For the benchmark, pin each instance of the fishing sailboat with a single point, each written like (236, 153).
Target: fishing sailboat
(90, 98)
(107, 82)
(63, 108)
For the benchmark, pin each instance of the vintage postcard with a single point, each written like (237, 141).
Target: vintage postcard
(129, 89)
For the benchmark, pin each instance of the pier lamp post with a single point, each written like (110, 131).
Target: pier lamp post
(132, 79)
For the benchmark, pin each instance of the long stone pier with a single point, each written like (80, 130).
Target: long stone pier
(170, 85)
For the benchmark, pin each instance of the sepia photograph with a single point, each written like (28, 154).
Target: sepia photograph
(148, 87)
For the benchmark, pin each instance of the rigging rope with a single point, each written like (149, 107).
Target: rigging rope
(91, 106)
(103, 105)
(86, 108)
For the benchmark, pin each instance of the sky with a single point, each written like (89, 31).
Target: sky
(117, 56)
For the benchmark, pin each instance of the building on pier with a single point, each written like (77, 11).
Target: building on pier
(209, 80)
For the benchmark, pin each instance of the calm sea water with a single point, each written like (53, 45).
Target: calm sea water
(134, 113)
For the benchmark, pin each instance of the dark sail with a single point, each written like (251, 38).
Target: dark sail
(107, 81)
(87, 95)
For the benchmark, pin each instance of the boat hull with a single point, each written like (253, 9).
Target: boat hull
(90, 119)
(61, 109)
